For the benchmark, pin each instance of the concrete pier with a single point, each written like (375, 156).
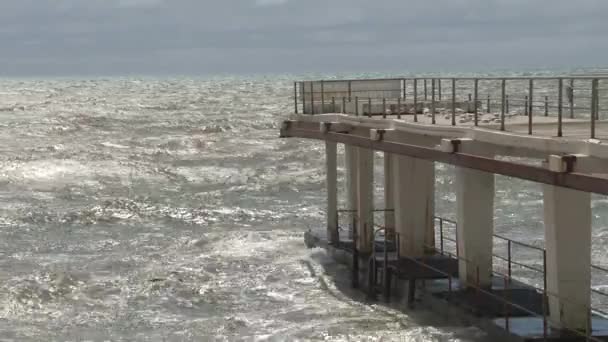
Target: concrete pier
(568, 156)
(414, 197)
(475, 217)
(568, 242)
(365, 199)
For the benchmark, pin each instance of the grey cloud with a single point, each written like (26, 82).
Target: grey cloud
(204, 36)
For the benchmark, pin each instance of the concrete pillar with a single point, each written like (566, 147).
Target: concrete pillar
(365, 187)
(568, 244)
(475, 218)
(389, 195)
(350, 158)
(331, 152)
(414, 196)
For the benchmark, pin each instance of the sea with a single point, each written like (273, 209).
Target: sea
(168, 209)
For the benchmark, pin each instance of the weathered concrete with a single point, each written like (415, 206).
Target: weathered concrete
(475, 217)
(331, 152)
(365, 186)
(568, 245)
(414, 196)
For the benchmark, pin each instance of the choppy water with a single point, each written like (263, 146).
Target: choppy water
(153, 210)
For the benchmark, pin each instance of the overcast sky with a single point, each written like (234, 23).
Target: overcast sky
(110, 37)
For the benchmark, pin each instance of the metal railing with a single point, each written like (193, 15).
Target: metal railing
(491, 102)
(446, 233)
(510, 261)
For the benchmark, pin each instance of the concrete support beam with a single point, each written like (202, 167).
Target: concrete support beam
(331, 152)
(389, 195)
(414, 196)
(365, 187)
(568, 244)
(475, 217)
(350, 157)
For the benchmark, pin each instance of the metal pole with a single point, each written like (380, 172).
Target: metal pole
(506, 303)
(333, 104)
(507, 104)
(545, 299)
(509, 258)
(476, 99)
(425, 91)
(593, 106)
(384, 108)
(546, 105)
(404, 88)
(453, 100)
(343, 104)
(526, 105)
(439, 89)
(503, 102)
(312, 98)
(433, 101)
(295, 96)
(441, 234)
(560, 106)
(489, 109)
(415, 100)
(571, 98)
(356, 105)
(350, 90)
(398, 108)
(369, 105)
(322, 97)
(530, 105)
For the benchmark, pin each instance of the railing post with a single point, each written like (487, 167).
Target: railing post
(509, 267)
(476, 100)
(453, 100)
(507, 109)
(503, 103)
(350, 91)
(312, 98)
(343, 105)
(506, 303)
(415, 100)
(489, 110)
(369, 105)
(404, 89)
(593, 106)
(356, 105)
(560, 106)
(333, 104)
(545, 299)
(439, 88)
(322, 97)
(384, 108)
(433, 101)
(295, 96)
(571, 98)
(425, 91)
(530, 105)
(399, 108)
(526, 105)
(441, 235)
(546, 105)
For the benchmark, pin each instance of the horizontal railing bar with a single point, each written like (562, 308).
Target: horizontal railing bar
(486, 78)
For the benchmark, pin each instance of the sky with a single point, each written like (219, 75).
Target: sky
(114, 37)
